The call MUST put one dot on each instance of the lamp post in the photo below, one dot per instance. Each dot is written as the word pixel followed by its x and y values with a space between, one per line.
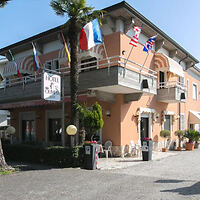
pixel 71 130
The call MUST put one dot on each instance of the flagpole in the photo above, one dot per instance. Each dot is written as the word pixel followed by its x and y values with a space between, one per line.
pixel 131 52
pixel 107 58
pixel 127 59
pixel 143 65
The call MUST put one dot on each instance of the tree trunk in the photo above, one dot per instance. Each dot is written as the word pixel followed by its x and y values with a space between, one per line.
pixel 74 74
pixel 3 163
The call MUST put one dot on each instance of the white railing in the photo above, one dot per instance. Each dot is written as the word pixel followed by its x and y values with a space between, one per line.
pixel 96 64
pixel 171 84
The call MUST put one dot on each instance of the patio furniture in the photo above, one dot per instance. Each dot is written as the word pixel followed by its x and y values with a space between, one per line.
pixel 107 148
pixel 135 149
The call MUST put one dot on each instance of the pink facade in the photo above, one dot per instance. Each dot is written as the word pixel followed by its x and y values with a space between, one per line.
pixel 134 111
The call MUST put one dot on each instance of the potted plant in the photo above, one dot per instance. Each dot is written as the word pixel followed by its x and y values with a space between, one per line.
pixel 166 135
pixel 91 119
pixel 190 134
pixel 197 137
pixel 180 134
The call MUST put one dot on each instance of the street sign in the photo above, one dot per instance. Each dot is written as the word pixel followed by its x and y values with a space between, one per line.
pixel 51 87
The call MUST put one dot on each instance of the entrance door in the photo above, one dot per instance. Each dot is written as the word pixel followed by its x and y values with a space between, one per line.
pixel 144 127
pixel 55 130
pixel 28 130
pixel 161 79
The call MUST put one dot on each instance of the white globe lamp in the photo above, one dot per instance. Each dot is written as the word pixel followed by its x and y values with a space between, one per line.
pixel 71 130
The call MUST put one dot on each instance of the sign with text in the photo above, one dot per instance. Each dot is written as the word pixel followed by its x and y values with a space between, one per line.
pixel 51 87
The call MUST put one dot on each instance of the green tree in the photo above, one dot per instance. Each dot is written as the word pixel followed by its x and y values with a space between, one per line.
pixel 91 119
pixel 78 14
pixel 3 3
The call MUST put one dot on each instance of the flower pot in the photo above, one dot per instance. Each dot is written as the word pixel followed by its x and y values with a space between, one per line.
pixel 189 146
pixel 196 146
pixel 179 148
pixel 164 149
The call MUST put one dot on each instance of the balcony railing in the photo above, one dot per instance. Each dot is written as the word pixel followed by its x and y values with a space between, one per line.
pixel 86 66
pixel 171 84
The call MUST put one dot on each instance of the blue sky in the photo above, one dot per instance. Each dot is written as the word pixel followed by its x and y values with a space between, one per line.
pixel 180 19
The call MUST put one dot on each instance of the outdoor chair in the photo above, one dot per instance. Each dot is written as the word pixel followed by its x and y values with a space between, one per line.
pixel 107 148
pixel 135 149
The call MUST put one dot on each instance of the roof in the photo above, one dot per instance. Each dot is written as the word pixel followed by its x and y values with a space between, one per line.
pixel 145 21
pixel 123 5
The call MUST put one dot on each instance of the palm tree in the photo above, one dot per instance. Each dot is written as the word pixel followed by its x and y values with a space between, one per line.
pixel 3 163
pixel 3 3
pixel 78 14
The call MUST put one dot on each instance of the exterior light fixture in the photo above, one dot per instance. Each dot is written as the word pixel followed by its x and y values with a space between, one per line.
pixel 123 52
pixel 108 113
pixel 71 130
pixel 145 84
pixel 182 95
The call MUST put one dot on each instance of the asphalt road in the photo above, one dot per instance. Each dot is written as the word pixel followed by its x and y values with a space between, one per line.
pixel 173 178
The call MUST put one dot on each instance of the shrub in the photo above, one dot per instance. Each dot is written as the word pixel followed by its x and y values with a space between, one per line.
pixel 56 155
pixel 91 119
pixel 165 134
pixel 192 135
pixel 179 134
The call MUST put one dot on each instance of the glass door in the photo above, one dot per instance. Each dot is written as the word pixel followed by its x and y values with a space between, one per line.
pixel 144 127
pixel 28 130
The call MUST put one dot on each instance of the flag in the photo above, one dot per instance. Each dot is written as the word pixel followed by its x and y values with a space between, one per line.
pixel 36 60
pixel 66 48
pixel 90 35
pixel 149 43
pixel 1 78
pixel 134 40
pixel 14 63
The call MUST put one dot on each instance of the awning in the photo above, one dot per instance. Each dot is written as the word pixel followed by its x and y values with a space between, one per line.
pixel 194 117
pixel 25 65
pixel 168 64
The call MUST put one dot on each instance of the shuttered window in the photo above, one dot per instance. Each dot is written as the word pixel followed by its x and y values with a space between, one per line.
pixel 167 123
pixel 182 121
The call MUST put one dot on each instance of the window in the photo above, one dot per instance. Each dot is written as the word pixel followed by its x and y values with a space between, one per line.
pixel 194 91
pixel 182 121
pixel 8 120
pixel 182 80
pixel 28 130
pixel 52 64
pixel 167 123
pixel 89 64
pixel 55 130
pixel 188 87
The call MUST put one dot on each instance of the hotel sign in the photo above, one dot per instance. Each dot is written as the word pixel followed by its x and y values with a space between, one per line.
pixel 51 87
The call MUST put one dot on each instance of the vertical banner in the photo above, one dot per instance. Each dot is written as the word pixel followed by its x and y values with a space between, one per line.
pixel 51 87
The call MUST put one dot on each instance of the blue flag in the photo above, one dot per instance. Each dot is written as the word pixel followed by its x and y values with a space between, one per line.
pixel 149 43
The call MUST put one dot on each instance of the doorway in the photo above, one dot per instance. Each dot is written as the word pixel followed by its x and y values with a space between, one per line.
pixel 161 79
pixel 28 130
pixel 144 128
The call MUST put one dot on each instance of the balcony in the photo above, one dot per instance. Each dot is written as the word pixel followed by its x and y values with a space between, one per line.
pixel 113 75
pixel 171 92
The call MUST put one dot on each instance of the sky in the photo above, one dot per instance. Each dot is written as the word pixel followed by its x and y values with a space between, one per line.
pixel 180 19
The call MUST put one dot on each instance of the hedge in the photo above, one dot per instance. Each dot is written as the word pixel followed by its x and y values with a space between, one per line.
pixel 56 155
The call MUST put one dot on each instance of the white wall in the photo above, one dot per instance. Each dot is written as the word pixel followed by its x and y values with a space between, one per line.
pixel 24 54
pixel 52 46
pixel 193 74
pixel 164 51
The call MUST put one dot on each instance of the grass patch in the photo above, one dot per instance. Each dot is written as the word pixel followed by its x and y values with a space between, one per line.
pixel 6 172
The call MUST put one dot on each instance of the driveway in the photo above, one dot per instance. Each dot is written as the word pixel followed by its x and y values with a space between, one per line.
pixel 172 178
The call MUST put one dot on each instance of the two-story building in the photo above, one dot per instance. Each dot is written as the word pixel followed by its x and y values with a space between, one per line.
pixel 138 100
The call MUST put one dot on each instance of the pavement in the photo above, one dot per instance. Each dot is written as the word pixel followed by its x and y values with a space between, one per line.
pixel 119 163
pixel 170 176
